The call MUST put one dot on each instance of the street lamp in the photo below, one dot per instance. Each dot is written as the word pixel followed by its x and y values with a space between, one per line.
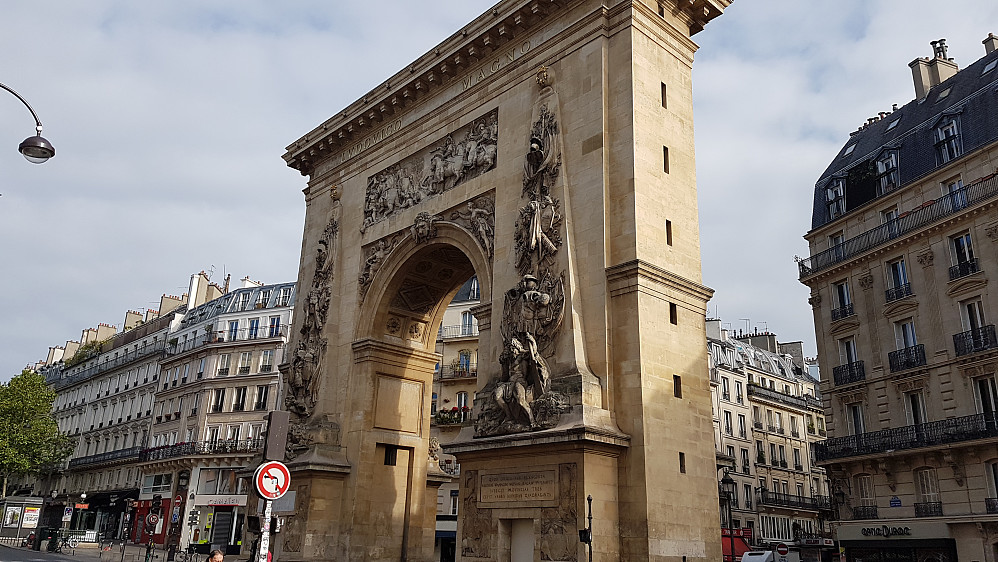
pixel 727 491
pixel 35 149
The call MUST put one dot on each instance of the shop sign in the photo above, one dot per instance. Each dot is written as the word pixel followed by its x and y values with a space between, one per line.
pixel 30 520
pixel 816 542
pixel 82 506
pixel 220 499
pixel 886 531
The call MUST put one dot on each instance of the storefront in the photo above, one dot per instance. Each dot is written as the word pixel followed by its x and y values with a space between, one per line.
pixel 897 541
pixel 221 521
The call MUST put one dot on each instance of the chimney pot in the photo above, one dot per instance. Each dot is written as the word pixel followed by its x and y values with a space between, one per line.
pixel 990 43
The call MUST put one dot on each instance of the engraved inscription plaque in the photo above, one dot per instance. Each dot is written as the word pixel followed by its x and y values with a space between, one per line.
pixel 518 487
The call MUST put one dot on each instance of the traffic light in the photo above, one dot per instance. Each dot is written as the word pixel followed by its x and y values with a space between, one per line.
pixel 195 518
pixel 156 506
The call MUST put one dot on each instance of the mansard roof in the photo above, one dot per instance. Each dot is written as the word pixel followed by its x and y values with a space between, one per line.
pixel 970 94
pixel 229 302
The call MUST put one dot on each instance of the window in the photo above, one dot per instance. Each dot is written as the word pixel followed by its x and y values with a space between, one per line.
pixel 232 433
pixel 725 388
pixel 887 172
pixel 943 94
pixel 991 475
pixel 682 462
pixel 266 360
pixel 157 484
pixel 730 450
pixel 835 198
pixel 947 141
pixel 467 324
pixel 904 334
pixel 741 426
pixel 897 280
pixel 668 232
pixel 783 455
pixel 990 66
pixel 665 103
pixel 739 395
pixel 914 404
pixel 953 189
pixel 964 262
pixel 927 486
pixel 254 327
pixel 677 386
pixel 854 418
pixel 213 433
pixel 835 243
pixel 464 360
pixel 433 404
pixel 245 360
pixel 972 314
pixel 223 364
pixel 275 327
pixel 849 149
pixel 454 501
pixel 843 299
pixel 475 293
pixel 987 398
pixel 893 124
pixel 847 351
pixel 219 400
pixel 673 313
pixel 745 461
pixel 772 455
pixel 462 400
pixel 665 159
pixel 285 296
pixel 263 298
pixel 727 422
pixel 233 329
pixel 748 496
pixel 239 400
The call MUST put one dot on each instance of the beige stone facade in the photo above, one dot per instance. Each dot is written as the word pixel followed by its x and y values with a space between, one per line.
pixel 546 148
pixel 902 251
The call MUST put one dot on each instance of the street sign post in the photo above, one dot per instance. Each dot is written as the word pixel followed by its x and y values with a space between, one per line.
pixel 272 480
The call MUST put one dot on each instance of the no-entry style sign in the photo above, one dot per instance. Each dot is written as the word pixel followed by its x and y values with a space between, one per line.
pixel 782 549
pixel 272 480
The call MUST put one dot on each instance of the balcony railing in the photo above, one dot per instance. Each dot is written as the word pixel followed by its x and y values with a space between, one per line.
pixel 755 424
pixel 122 359
pixel 788 500
pixel 991 504
pixel 466 371
pixel 899 292
pixel 245 334
pixel 865 512
pixel 223 371
pixel 110 456
pixel 942 432
pixel 907 358
pixel 202 448
pixel 805 401
pixel 848 373
pixel 929 509
pixel 964 269
pixel 459 331
pixel 972 341
pixel 926 214
pixel 843 312
pixel 244 370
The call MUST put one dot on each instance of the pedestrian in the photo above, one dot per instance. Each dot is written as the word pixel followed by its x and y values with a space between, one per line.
pixel 215 556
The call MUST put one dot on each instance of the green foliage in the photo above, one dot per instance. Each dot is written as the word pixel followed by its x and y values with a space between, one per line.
pixel 30 441
pixel 86 351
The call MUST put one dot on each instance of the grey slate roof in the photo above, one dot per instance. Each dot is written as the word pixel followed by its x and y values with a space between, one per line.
pixel 972 95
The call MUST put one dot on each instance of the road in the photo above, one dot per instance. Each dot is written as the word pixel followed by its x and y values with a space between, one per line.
pixel 134 553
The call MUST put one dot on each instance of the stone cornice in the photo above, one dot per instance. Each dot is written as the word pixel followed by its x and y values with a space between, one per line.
pixel 377 115
pixel 625 277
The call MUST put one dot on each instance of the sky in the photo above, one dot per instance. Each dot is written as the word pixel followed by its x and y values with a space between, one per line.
pixel 169 120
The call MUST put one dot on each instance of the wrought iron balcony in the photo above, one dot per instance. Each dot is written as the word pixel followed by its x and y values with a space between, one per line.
pixel 929 509
pixel 907 358
pixel 803 402
pixel 991 504
pixel 972 341
pixel 964 269
pixel 220 447
pixel 915 219
pixel 466 371
pixel 245 334
pixel 757 424
pixel 788 500
pixel 899 292
pixel 244 370
pixel 843 311
pixel 458 331
pixel 942 432
pixel 120 455
pixel 865 512
pixel 849 373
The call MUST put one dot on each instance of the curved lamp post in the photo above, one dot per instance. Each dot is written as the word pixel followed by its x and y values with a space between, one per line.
pixel 35 149
pixel 727 488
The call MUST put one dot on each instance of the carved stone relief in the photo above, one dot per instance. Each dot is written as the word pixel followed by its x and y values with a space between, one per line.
pixel 302 371
pixel 559 536
pixel 374 258
pixel 814 300
pixel 925 258
pixel 478 524
pixel 991 231
pixel 480 218
pixel 866 281
pixel 423 228
pixel 522 397
pixel 460 156
pixel 294 528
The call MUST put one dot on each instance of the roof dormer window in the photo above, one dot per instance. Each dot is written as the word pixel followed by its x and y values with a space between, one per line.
pixel 991 66
pixel 947 140
pixel 887 172
pixel 835 198
pixel 893 123
pixel 849 149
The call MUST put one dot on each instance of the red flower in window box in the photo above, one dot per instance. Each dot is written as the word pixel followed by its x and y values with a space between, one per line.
pixel 454 409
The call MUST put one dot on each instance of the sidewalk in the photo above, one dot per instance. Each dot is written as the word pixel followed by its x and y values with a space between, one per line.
pixel 89 552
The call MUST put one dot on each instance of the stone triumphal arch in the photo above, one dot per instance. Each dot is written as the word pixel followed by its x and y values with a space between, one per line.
pixel 547 148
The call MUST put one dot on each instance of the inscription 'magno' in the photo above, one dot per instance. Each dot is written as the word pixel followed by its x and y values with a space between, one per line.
pixel 518 487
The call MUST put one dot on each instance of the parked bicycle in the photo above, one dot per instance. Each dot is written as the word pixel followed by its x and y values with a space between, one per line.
pixel 66 540
pixel 185 554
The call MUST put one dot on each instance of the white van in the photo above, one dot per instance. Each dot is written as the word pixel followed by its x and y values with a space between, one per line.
pixel 770 556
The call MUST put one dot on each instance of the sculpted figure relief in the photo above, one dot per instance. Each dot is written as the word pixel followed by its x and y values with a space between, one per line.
pixel 536 236
pixel 462 155
pixel 480 218
pixel 422 229
pixel 376 255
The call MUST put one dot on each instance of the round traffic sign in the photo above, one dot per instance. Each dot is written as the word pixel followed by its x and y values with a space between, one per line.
pixel 782 549
pixel 152 519
pixel 272 480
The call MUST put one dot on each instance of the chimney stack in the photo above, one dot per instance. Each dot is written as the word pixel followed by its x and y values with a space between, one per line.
pixel 928 73
pixel 990 44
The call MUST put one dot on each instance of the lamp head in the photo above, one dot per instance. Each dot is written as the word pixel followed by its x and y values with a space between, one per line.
pixel 36 149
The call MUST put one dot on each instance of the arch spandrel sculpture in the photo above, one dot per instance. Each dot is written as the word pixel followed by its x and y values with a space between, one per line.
pixel 511 153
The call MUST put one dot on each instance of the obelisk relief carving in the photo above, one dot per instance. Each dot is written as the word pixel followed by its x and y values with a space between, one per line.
pixel 304 366
pixel 521 398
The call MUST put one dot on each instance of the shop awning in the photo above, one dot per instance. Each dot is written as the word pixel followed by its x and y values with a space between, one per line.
pixel 741 547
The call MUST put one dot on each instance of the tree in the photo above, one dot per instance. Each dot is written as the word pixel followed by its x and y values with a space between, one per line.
pixel 30 441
